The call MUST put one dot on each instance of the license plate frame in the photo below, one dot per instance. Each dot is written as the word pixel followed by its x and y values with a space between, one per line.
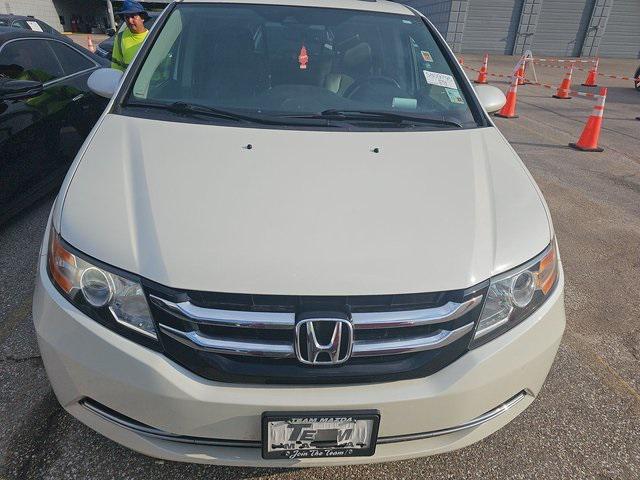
pixel 320 452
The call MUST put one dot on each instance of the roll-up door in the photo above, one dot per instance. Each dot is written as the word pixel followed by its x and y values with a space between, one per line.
pixel 491 26
pixel 562 26
pixel 622 35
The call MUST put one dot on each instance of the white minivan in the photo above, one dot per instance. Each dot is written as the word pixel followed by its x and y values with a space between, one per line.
pixel 294 238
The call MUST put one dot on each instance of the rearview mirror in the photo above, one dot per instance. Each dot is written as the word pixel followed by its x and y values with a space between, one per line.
pixel 491 98
pixel 16 89
pixel 104 81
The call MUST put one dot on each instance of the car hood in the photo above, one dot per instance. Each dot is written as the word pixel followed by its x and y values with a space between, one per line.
pixel 303 212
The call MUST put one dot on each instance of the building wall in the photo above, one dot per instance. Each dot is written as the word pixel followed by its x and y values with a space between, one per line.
pixel 45 10
pixel 610 28
pixel 436 10
pixel 492 26
pixel 621 37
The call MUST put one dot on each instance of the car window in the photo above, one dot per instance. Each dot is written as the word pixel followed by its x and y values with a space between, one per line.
pixel 29 60
pixel 72 61
pixel 285 60
pixel 45 27
pixel 4 22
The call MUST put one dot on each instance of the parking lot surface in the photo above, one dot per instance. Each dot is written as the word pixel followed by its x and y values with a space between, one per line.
pixel 585 423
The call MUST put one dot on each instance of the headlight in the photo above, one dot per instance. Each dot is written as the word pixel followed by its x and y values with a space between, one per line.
pixel 102 294
pixel 515 295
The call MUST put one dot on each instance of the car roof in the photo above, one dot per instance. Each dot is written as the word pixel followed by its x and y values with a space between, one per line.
pixel 11 16
pixel 10 33
pixel 367 5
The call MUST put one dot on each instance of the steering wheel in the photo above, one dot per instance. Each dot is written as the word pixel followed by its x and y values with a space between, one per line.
pixel 370 81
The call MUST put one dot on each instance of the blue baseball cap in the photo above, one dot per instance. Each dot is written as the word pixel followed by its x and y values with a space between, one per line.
pixel 131 8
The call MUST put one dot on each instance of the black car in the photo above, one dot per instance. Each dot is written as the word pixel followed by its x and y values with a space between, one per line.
pixel 28 22
pixel 46 112
pixel 105 48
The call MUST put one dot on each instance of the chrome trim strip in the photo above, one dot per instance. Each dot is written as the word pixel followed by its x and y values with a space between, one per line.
pixel 142 429
pixel 414 318
pixel 490 415
pixel 273 320
pixel 441 338
pixel 226 318
pixel 284 349
pixel 198 341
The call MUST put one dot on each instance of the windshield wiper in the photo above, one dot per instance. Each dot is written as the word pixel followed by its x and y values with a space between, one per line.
pixel 184 108
pixel 377 116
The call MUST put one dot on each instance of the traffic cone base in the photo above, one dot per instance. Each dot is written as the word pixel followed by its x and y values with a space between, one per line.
pixel 578 147
pixel 562 98
pixel 589 85
pixel 501 115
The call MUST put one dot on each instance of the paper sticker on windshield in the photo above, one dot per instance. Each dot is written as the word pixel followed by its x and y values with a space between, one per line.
pixel 440 79
pixel 426 56
pixel 34 26
pixel 454 95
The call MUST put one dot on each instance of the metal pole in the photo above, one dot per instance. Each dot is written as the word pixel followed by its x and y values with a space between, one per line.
pixel 112 19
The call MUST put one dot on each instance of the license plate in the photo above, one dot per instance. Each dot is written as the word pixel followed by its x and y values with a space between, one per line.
pixel 319 434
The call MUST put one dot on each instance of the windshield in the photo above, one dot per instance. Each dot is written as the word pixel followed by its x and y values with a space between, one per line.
pixel 291 62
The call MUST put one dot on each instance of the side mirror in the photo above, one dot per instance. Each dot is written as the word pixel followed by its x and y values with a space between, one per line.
pixel 491 98
pixel 104 81
pixel 110 32
pixel 17 89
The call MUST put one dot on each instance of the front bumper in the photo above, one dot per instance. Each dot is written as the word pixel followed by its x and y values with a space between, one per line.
pixel 175 415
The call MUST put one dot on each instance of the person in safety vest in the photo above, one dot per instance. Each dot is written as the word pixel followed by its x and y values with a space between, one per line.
pixel 129 40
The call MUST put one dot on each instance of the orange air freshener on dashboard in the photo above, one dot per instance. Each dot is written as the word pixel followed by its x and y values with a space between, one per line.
pixel 303 58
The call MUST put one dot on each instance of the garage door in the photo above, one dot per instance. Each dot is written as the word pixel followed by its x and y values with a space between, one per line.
pixel 622 35
pixel 562 26
pixel 491 26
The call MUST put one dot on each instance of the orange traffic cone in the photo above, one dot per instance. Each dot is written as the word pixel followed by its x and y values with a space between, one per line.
pixel 509 109
pixel 521 73
pixel 461 61
pixel 592 76
pixel 482 74
pixel 565 86
pixel 90 45
pixel 588 141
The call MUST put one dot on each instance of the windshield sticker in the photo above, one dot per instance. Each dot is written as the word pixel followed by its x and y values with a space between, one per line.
pixel 454 95
pixel 440 79
pixel 405 103
pixel 426 56
pixel 34 26
pixel 303 58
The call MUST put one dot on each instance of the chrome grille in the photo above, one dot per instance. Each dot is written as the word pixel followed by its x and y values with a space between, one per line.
pixel 251 338
pixel 195 318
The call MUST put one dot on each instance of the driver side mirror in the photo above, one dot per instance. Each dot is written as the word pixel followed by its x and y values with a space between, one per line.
pixel 491 98
pixel 17 89
pixel 104 81
pixel 110 32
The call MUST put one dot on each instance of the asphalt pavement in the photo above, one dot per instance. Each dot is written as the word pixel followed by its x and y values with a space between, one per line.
pixel 584 425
